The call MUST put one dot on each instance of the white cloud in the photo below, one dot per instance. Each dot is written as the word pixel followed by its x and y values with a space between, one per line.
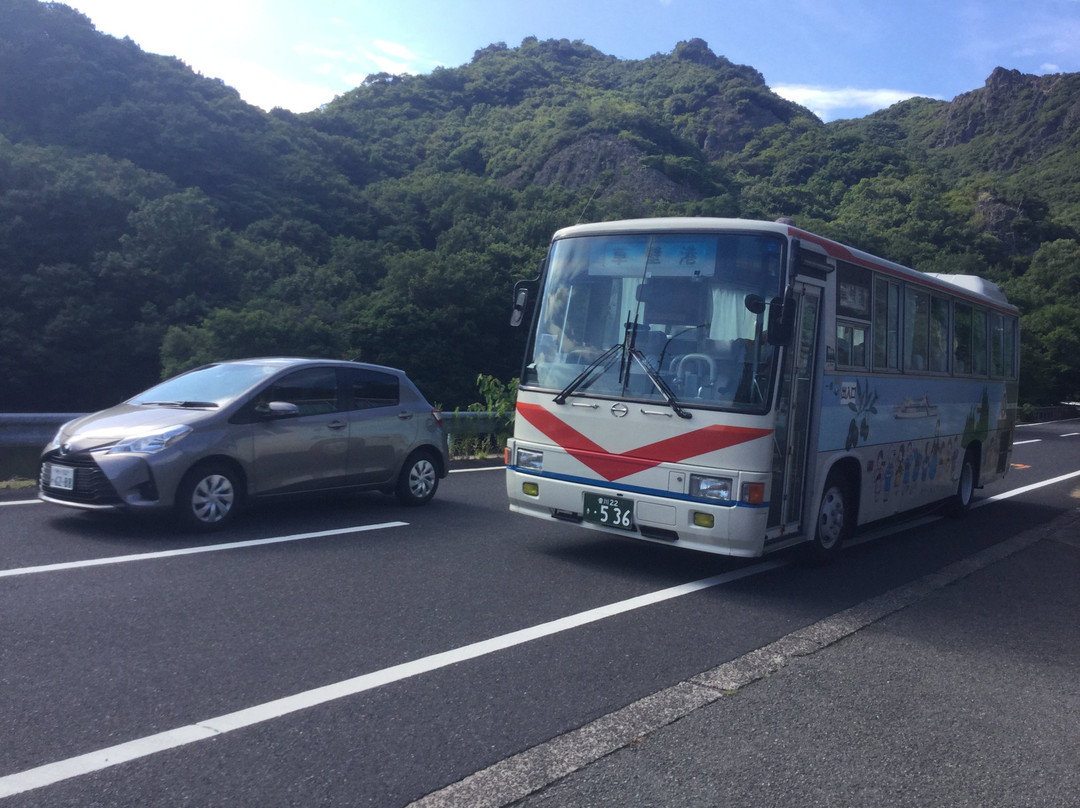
pixel 267 88
pixel 827 102
pixel 394 49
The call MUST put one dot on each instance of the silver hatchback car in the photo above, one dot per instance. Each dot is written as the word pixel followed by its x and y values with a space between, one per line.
pixel 207 441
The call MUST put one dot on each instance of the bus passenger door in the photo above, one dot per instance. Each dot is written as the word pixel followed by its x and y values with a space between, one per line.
pixel 793 422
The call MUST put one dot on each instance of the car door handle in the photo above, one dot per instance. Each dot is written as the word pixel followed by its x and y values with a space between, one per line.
pixel 404 416
pixel 338 424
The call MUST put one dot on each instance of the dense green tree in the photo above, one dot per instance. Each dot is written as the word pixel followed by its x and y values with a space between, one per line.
pixel 151 220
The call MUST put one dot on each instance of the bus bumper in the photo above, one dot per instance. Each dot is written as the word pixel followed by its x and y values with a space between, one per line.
pixel 729 529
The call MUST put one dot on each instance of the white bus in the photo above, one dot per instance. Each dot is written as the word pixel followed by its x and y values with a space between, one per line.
pixel 739 387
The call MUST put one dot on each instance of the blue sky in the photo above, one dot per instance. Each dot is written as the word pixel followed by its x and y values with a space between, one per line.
pixel 840 58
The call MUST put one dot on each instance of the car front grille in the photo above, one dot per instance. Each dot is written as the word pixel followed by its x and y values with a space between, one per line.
pixel 91 485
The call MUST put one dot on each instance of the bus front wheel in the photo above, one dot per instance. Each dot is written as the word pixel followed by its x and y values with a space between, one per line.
pixel 836 515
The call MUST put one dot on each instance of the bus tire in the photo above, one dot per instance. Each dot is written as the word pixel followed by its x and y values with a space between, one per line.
pixel 960 502
pixel 835 518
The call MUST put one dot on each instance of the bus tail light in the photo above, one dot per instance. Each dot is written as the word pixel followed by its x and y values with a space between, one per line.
pixel 752 494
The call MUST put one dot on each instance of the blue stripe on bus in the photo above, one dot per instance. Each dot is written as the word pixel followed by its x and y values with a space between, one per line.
pixel 633 489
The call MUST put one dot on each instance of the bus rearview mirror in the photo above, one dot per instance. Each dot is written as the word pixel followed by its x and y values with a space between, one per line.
pixel 782 318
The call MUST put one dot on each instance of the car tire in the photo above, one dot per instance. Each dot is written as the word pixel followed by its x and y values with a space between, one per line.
pixel 835 517
pixel 209 496
pixel 418 481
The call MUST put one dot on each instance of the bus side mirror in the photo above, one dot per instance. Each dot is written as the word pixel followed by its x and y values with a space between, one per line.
pixel 782 318
pixel 523 292
pixel 755 304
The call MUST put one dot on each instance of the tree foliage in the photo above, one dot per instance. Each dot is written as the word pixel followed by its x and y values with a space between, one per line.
pixel 150 220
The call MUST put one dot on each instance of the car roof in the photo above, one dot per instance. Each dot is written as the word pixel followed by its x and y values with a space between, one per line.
pixel 293 361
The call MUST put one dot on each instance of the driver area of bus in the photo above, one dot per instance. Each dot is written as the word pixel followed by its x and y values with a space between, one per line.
pixel 693 332
pixel 695 357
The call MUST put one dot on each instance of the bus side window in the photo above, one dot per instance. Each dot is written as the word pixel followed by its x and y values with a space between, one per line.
pixel 978 342
pixel 916 329
pixel 962 339
pixel 939 335
pixel 886 325
pixel 850 345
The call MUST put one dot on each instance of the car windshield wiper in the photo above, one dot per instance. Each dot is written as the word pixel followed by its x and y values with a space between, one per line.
pixel 661 385
pixel 601 363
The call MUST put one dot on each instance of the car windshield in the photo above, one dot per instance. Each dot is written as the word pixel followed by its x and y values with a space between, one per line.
pixel 675 317
pixel 210 386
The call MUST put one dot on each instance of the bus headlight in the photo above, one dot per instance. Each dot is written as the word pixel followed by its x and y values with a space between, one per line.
pixel 529 460
pixel 715 488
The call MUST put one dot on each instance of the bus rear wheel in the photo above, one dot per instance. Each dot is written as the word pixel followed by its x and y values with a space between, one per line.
pixel 960 502
pixel 836 515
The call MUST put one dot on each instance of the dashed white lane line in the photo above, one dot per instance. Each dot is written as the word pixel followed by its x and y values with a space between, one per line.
pixel 516 777
pixel 181 736
pixel 654 706
pixel 211 548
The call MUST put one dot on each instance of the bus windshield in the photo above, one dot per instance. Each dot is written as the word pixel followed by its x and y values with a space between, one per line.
pixel 676 317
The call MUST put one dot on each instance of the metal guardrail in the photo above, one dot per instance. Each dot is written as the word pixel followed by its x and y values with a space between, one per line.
pixel 31 429
pixel 37 429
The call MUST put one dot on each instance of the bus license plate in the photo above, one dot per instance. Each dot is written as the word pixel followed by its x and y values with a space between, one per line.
pixel 609 511
pixel 62 477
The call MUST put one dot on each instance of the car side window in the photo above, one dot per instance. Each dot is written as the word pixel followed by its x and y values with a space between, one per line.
pixel 369 389
pixel 314 391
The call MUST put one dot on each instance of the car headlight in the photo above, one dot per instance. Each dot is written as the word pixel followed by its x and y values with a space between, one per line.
pixel 716 488
pixel 530 460
pixel 151 444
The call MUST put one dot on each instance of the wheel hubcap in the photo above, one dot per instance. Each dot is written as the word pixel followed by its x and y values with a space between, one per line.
pixel 212 498
pixel 831 518
pixel 421 479
pixel 967 483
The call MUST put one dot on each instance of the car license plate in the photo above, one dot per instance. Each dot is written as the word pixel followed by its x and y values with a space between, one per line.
pixel 62 477
pixel 609 511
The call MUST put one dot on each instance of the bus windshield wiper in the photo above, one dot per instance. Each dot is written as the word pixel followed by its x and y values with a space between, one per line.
pixel 601 363
pixel 661 385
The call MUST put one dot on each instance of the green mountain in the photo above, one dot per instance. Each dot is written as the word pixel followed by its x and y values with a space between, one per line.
pixel 151 220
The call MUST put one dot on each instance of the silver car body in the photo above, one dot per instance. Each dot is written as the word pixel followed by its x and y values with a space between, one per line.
pixel 284 425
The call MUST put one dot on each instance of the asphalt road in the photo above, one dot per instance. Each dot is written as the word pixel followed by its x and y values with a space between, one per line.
pixel 348 651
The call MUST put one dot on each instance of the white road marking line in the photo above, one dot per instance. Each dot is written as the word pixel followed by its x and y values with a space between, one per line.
pixel 514 778
pixel 1022 442
pixel 212 548
pixel 51 773
pixel 21 502
pixel 181 736
pixel 1018 491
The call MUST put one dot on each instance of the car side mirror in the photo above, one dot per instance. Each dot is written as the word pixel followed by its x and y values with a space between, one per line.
pixel 281 409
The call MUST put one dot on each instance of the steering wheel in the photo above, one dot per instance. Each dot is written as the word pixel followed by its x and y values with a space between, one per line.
pixel 680 368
